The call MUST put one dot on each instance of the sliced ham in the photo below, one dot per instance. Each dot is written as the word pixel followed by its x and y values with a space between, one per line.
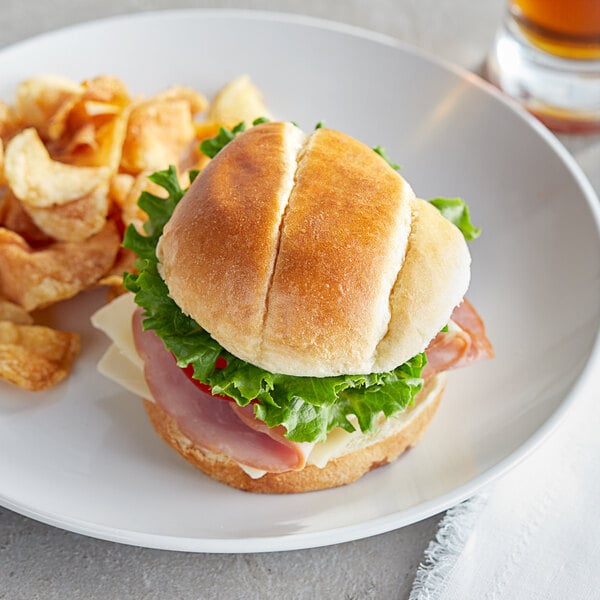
pixel 448 350
pixel 468 319
pixel 205 420
pixel 246 414
pixel 459 348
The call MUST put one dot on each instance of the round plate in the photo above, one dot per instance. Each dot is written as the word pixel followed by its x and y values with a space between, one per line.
pixel 83 456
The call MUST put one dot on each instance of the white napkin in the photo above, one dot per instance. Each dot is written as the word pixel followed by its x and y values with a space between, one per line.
pixel 535 534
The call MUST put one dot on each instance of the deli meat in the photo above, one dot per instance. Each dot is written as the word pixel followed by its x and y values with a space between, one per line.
pixel 246 414
pixel 453 349
pixel 207 421
pixel 467 318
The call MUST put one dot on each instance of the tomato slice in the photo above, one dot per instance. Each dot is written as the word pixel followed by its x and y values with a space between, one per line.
pixel 220 364
pixel 189 371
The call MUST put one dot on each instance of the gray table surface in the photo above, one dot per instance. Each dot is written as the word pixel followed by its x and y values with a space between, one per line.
pixel 39 561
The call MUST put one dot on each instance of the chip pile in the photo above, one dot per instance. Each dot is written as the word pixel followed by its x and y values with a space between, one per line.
pixel 74 158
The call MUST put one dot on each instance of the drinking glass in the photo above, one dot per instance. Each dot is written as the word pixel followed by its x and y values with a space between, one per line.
pixel 547 55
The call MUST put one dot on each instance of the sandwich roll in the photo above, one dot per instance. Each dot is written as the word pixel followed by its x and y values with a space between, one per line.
pixel 298 309
pixel 310 256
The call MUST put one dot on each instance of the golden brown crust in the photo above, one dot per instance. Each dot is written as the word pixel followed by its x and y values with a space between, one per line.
pixel 343 241
pixel 338 471
pixel 218 249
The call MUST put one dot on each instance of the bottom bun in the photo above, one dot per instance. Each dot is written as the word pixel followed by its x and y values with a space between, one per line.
pixel 340 470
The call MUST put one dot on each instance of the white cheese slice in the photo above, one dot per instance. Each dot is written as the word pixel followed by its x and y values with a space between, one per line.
pixel 117 366
pixel 114 319
pixel 251 471
pixel 336 442
pixel 121 363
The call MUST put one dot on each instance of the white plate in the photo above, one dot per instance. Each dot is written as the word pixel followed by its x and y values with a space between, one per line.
pixel 83 456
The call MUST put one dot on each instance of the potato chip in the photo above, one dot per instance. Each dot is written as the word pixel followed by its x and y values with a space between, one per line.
pixel 4 193
pixel 97 125
pixel 13 216
pixel 44 102
pixel 36 278
pixel 191 158
pixel 125 262
pixel 158 132
pixel 83 137
pixel 75 221
pixel 207 129
pixel 106 89
pixel 39 181
pixel 103 98
pixel 14 313
pixel 2 178
pixel 120 186
pixel 125 192
pixel 35 357
pixel 198 102
pixel 9 122
pixel 123 195
pixel 93 108
pixel 99 142
pixel 239 100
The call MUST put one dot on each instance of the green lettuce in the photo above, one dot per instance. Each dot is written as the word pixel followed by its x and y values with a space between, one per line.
pixel 212 146
pixel 383 153
pixel 308 407
pixel 457 212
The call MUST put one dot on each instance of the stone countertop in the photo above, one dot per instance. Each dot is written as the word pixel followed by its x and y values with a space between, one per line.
pixel 40 561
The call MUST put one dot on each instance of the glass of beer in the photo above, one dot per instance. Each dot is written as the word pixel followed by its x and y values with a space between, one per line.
pixel 547 55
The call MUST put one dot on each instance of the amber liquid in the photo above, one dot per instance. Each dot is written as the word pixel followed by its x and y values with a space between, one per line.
pixel 568 28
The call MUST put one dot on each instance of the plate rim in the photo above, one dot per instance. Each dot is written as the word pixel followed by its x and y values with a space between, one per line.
pixel 392 521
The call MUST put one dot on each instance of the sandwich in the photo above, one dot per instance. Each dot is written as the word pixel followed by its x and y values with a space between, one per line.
pixel 294 311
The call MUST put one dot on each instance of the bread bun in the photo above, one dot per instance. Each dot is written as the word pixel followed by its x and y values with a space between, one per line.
pixel 310 256
pixel 366 451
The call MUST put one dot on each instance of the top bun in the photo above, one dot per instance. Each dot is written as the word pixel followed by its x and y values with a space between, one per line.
pixel 310 256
